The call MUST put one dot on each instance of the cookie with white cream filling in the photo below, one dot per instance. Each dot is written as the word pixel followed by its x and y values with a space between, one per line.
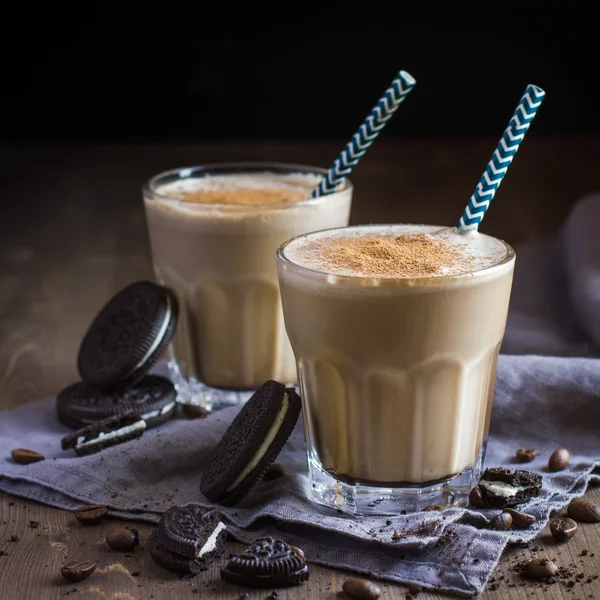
pixel 502 487
pixel 251 443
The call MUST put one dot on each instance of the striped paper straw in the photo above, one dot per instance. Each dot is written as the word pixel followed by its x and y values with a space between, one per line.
pixel 496 169
pixel 366 134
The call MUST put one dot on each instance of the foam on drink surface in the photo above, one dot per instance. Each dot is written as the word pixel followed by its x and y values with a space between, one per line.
pixel 243 189
pixel 396 251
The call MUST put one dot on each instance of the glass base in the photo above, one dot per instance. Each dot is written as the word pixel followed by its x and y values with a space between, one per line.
pixel 368 500
pixel 192 391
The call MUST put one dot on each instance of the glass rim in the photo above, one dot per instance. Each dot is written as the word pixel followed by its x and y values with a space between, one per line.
pixel 510 257
pixel 149 189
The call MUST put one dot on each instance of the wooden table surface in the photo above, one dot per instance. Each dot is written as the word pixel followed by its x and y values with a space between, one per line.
pixel 73 233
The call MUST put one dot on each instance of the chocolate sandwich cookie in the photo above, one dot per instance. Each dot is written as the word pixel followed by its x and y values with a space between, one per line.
pixel 194 532
pixel 267 563
pixel 251 443
pixel 153 398
pixel 169 560
pixel 505 487
pixel 128 336
pixel 103 434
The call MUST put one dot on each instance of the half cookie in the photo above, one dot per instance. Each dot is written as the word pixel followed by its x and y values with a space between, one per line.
pixel 267 563
pixel 251 443
pixel 128 336
pixel 153 398
pixel 103 434
pixel 505 487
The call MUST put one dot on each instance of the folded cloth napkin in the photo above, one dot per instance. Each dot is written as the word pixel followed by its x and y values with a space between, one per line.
pixel 546 397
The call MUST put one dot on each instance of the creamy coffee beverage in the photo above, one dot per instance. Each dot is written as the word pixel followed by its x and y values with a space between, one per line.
pixel 396 331
pixel 214 233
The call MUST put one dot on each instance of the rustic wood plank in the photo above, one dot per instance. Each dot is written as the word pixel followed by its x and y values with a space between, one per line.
pixel 75 233
pixel 31 566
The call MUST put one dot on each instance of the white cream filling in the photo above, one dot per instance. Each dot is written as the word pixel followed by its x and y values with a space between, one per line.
pixel 271 434
pixel 159 336
pixel 211 542
pixel 161 411
pixel 499 488
pixel 138 425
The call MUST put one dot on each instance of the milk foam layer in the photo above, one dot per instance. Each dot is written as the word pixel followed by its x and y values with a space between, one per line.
pixel 475 251
pixel 292 187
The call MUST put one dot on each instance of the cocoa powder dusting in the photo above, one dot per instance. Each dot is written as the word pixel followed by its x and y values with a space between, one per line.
pixel 243 196
pixel 407 255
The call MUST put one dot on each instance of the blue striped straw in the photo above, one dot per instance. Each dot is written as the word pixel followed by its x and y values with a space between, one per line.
pixel 496 169
pixel 366 134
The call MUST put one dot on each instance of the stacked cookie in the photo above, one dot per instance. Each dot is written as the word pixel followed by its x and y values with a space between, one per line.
pixel 188 539
pixel 116 399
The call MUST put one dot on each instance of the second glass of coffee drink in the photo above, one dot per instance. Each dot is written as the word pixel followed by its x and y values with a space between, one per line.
pixel 396 331
pixel 214 231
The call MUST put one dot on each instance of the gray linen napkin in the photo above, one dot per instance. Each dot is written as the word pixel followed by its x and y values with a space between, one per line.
pixel 546 397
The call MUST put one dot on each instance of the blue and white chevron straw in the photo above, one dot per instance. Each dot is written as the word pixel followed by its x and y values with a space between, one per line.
pixel 366 134
pixel 501 159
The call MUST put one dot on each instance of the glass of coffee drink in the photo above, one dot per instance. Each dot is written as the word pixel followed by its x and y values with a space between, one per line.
pixel 396 331
pixel 214 231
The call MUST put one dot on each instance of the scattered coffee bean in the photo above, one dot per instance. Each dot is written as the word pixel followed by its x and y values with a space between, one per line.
pixel 435 507
pixel 539 568
pixel 582 510
pixel 361 589
pixel 191 411
pixel 26 457
pixel 562 528
pixel 135 573
pixel 559 460
pixel 275 471
pixel 527 454
pixel 501 522
pixel 124 539
pixel 78 570
pixel 476 498
pixel 520 520
pixel 90 514
pixel 13 538
pixel 34 524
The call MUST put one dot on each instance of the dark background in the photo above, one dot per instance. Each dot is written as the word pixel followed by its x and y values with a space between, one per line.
pixel 301 72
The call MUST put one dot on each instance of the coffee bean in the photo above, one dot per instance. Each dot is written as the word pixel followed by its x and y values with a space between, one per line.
pixel 90 514
pixel 124 539
pixel 26 457
pixel 559 460
pixel 435 507
pixel 476 498
pixel 501 522
pixel 78 570
pixel 563 529
pixel 192 411
pixel 520 520
pixel 275 471
pixel 582 510
pixel 539 568
pixel 527 454
pixel 361 589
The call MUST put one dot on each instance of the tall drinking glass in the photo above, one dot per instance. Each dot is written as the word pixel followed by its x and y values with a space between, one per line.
pixel 214 230
pixel 396 373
